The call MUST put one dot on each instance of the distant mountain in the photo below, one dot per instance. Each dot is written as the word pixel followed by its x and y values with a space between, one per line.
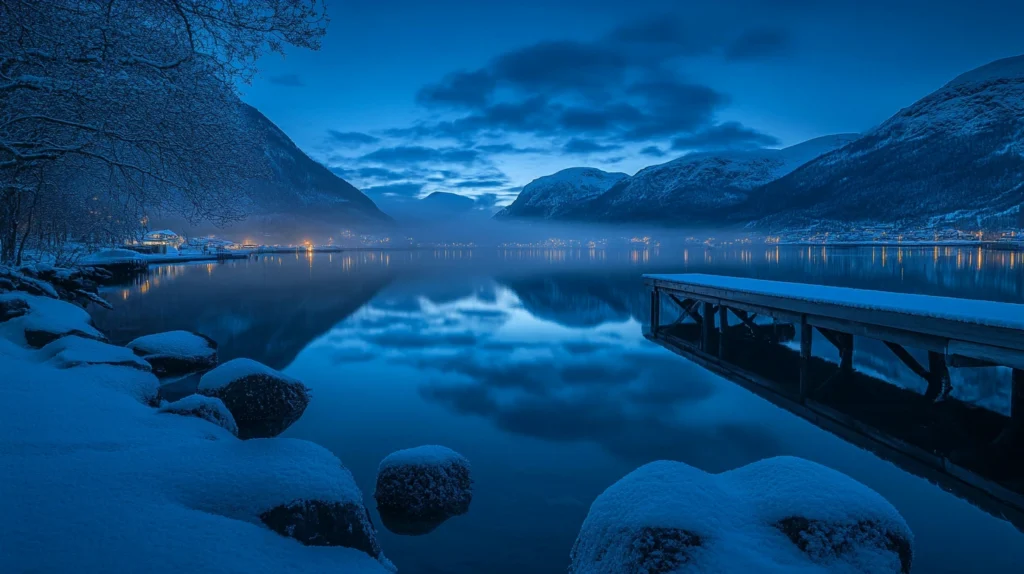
pixel 698 187
pixel 444 202
pixel 956 155
pixel 439 207
pixel 302 188
pixel 554 196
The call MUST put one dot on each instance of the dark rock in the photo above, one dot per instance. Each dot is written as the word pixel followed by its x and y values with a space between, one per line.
pixel 318 523
pixel 39 338
pixel 6 284
pixel 419 488
pixel 263 401
pixel 823 540
pixel 11 308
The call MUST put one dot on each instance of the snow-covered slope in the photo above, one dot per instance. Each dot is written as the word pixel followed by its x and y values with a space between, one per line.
pixel 550 197
pixel 691 189
pixel 301 187
pixel 955 155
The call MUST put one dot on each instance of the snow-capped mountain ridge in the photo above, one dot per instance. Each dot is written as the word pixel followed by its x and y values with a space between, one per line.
pixel 550 196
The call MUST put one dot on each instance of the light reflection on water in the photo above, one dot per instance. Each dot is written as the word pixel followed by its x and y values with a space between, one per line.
pixel 532 364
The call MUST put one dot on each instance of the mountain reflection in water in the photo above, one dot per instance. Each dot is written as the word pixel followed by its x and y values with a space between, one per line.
pixel 532 364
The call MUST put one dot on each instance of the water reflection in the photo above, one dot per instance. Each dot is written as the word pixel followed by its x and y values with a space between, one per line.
pixel 532 364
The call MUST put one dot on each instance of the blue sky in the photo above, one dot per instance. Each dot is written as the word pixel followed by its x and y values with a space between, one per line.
pixel 479 97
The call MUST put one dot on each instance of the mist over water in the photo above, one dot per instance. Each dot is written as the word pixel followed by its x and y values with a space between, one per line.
pixel 532 363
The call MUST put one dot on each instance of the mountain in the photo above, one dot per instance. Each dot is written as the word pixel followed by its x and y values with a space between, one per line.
pixel 955 156
pixel 443 202
pixel 438 207
pixel 554 196
pixel 302 188
pixel 698 187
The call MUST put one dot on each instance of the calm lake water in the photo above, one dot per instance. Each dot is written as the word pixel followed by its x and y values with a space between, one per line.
pixel 533 365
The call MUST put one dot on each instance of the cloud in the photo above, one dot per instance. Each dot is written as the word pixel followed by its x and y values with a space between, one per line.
pixel 377 173
pixel 351 138
pixel 653 151
pixel 460 89
pixel 580 146
pixel 758 43
pixel 722 136
pixel 474 183
pixel 289 80
pixel 508 148
pixel 395 190
pixel 421 154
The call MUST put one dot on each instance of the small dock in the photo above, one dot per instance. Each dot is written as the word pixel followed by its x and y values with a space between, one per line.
pixel 744 329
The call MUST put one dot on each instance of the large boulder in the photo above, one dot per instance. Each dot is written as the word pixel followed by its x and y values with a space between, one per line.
pixel 176 353
pixel 206 408
pixel 45 320
pixel 419 488
pixel 775 515
pixel 263 401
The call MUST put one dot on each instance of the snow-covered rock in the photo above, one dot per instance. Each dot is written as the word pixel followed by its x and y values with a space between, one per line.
pixel 122 489
pixel 113 257
pixel 207 408
pixel 75 351
pixel 46 320
pixel 776 515
pixel 955 155
pixel 176 353
pixel 263 401
pixel 552 196
pixel 419 488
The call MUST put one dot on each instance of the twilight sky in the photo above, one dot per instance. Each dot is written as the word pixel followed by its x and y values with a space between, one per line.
pixel 479 97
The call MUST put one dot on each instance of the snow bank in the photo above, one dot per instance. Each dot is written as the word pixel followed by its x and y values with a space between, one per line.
pixel 263 401
pixel 975 311
pixel 206 408
pixel 776 515
pixel 176 352
pixel 419 488
pixel 94 481
pixel 112 256
pixel 74 351
pixel 46 320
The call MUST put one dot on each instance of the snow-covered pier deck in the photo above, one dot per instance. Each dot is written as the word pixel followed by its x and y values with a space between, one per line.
pixel 737 328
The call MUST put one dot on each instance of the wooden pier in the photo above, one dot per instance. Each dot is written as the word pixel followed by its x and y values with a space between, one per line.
pixel 737 328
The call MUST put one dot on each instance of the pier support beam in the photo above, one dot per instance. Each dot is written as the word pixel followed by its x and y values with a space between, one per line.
pixel 723 324
pixel 805 357
pixel 938 376
pixel 655 310
pixel 707 325
pixel 1017 396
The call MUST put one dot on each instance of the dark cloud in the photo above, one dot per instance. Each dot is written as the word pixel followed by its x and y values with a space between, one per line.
pixel 377 173
pixel 481 183
pixel 421 154
pixel 758 43
pixel 722 136
pixel 461 89
pixel 581 146
pixel 508 148
pixel 395 190
pixel 289 80
pixel 351 138
pixel 653 151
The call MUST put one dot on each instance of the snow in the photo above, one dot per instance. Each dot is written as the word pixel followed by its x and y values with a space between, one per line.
pixel 973 311
pixel 207 408
pixel 173 343
pixel 235 369
pixel 73 351
pixel 730 522
pixel 570 186
pixel 94 481
pixel 428 455
pixel 48 315
pixel 1006 68
pixel 108 256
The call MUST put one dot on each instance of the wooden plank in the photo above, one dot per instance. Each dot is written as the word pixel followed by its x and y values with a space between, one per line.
pixel 707 325
pixel 898 336
pixel 936 326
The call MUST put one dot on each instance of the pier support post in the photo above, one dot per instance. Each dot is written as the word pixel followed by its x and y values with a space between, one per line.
pixel 805 357
pixel 723 324
pixel 707 325
pixel 655 310
pixel 845 353
pixel 938 376
pixel 1017 396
